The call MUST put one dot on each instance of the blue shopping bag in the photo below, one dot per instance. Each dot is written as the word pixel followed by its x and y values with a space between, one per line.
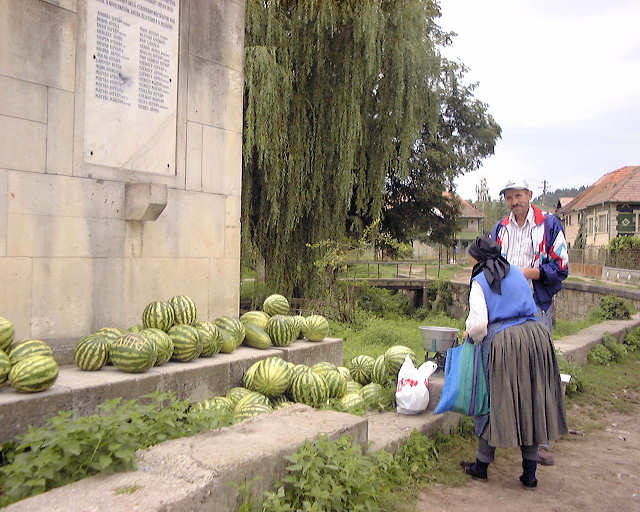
pixel 465 386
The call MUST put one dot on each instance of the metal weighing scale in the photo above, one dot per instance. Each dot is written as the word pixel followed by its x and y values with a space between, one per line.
pixel 438 340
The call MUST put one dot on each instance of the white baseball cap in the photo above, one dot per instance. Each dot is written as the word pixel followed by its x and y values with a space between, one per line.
pixel 515 185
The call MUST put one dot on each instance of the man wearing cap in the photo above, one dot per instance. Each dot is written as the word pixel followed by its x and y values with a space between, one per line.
pixel 534 241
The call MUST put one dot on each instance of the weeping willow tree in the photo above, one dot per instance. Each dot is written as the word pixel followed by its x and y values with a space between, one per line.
pixel 336 93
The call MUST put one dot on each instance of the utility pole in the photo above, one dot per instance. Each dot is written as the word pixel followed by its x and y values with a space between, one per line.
pixel 544 187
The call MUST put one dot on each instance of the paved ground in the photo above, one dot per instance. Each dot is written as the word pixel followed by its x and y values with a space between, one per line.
pixel 598 472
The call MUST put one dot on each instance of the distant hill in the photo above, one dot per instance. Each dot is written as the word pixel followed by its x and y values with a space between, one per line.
pixel 550 199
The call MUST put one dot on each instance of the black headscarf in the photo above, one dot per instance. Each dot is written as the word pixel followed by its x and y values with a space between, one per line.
pixel 490 261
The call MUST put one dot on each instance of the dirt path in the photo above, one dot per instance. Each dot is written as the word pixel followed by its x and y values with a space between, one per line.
pixel 597 472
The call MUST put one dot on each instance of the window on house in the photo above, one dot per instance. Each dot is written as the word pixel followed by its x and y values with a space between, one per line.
pixel 471 224
pixel 602 223
pixel 590 225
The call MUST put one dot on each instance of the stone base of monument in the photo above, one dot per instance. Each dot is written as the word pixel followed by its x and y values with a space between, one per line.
pixel 203 378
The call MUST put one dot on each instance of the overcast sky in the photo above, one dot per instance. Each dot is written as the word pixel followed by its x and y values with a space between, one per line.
pixel 562 79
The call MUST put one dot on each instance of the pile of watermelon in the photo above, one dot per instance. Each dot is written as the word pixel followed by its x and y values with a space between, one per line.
pixel 27 364
pixel 170 330
pixel 273 383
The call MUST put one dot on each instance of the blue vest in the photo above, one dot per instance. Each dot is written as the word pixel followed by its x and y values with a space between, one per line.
pixel 516 304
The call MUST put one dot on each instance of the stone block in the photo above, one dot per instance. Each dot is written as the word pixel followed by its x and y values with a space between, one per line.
pixel 20 410
pixel 224 287
pixel 46 236
pixel 60 105
pixel 222 161
pixel 192 225
pixel 23 99
pixel 71 5
pixel 63 196
pixel 144 201
pixel 312 352
pixel 197 380
pixel 4 212
pixel 15 294
pixel 232 211
pixel 242 358
pixel 216 32
pixel 215 94
pixel 193 174
pixel 232 242
pixel 38 43
pixel 22 145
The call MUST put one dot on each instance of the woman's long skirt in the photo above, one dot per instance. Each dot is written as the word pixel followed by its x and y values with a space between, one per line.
pixel 527 406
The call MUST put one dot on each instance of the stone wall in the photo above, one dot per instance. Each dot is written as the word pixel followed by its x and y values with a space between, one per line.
pixel 73 259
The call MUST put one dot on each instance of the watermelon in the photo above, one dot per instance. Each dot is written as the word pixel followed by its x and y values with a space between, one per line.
pixel 352 401
pixel 247 378
pixel 7 332
pixel 298 369
pixel 258 318
pixel 28 348
pixel 256 337
pixel 211 338
pixel 35 373
pixel 5 366
pixel 379 372
pixel 280 329
pixel 316 328
pixel 111 333
pixel 158 315
pixel 186 342
pixel 372 394
pixel 163 343
pixel 324 366
pixel 361 368
pixel 91 352
pixel 298 324
pixel 184 310
pixel 234 326
pixel 345 372
pixel 249 410
pixel 280 402
pixel 220 402
pixel 235 394
pixel 275 305
pixel 394 357
pixel 336 383
pixel 309 388
pixel 271 377
pixel 353 386
pixel 252 397
pixel 133 353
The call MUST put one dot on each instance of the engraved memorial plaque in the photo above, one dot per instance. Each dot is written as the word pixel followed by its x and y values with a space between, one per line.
pixel 131 84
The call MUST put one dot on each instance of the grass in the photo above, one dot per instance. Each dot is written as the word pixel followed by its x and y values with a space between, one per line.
pixel 391 269
pixel 564 328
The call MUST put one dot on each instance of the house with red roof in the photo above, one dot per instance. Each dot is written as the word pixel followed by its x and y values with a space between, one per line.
pixel 607 209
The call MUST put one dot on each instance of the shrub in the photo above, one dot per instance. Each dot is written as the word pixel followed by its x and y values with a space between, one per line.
pixel 439 295
pixel 614 308
pixel 618 350
pixel 600 355
pixel 576 384
pixel 632 339
pixel 382 302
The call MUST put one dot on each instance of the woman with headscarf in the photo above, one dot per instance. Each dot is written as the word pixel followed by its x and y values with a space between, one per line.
pixel 526 403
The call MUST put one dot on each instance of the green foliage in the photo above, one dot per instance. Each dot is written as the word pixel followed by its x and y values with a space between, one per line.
pixel 439 295
pixel 577 382
pixel 600 355
pixel 67 449
pixel 621 244
pixel 618 350
pixel 381 302
pixel 612 307
pixel 632 340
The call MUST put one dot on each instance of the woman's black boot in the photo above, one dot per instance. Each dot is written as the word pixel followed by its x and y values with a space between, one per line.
pixel 528 477
pixel 476 469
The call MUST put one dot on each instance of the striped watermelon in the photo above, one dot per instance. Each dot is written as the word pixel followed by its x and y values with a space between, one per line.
pixel 252 397
pixel 324 366
pixel 5 366
pixel 352 401
pixel 280 402
pixel 186 342
pixel 184 310
pixel 91 352
pixel 133 353
pixel 394 357
pixel 220 402
pixel 211 338
pixel 280 329
pixel 361 368
pixel 111 333
pixel 234 326
pixel 33 374
pixel 372 394
pixel 258 318
pixel 299 323
pixel 163 343
pixel 309 388
pixel 249 410
pixel 28 348
pixel 247 378
pixel 336 383
pixel 256 337
pixel 316 328
pixel 298 369
pixel 228 341
pixel 235 394
pixel 135 329
pixel 379 373
pixel 158 315
pixel 353 386
pixel 272 377
pixel 275 305
pixel 345 372
pixel 7 332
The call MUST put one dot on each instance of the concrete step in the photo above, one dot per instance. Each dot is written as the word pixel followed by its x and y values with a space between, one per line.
pixel 200 379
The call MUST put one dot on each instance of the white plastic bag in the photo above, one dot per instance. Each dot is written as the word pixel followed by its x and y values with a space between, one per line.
pixel 412 393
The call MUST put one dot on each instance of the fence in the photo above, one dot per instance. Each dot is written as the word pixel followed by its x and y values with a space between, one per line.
pixel 603 256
